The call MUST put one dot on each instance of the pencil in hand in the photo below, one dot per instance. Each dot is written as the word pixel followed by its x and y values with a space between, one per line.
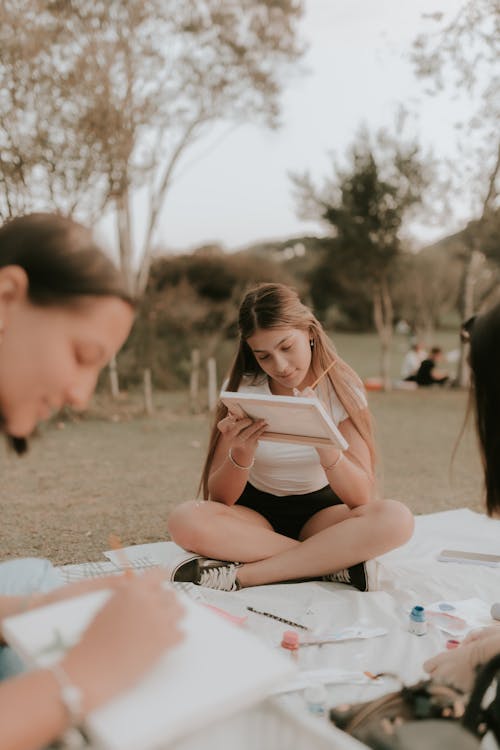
pixel 322 374
pixel 124 562
pixel 320 377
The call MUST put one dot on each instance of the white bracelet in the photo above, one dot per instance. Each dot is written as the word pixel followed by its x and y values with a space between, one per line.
pixel 237 465
pixel 70 695
pixel 334 464
pixel 24 604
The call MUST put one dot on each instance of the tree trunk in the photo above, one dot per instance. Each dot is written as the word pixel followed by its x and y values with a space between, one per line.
pixel 125 246
pixel 148 393
pixel 467 310
pixel 470 277
pixel 113 379
pixel 383 316
pixel 212 383
pixel 194 385
pixel 125 239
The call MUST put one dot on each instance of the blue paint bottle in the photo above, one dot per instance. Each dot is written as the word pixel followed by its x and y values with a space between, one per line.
pixel 418 623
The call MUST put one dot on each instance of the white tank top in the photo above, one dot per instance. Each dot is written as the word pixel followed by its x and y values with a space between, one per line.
pixel 288 468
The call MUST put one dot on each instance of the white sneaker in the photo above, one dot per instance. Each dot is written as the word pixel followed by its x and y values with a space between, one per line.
pixel 213 574
pixel 363 576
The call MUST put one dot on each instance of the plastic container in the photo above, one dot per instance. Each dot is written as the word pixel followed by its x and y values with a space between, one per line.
pixel 315 697
pixel 418 623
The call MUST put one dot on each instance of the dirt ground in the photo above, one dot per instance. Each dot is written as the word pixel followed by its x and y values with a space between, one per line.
pixel 116 471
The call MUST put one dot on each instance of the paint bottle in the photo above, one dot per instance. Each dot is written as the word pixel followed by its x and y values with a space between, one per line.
pixel 290 641
pixel 418 623
pixel 315 697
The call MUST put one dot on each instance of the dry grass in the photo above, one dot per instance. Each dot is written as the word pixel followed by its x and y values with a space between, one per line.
pixel 122 472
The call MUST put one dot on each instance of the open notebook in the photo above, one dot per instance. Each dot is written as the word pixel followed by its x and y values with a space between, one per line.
pixel 217 670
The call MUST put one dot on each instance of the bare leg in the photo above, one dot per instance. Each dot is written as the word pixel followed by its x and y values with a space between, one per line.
pixel 335 538
pixel 226 533
pixel 332 539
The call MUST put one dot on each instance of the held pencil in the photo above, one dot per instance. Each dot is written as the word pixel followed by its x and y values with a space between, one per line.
pixel 117 546
pixel 322 374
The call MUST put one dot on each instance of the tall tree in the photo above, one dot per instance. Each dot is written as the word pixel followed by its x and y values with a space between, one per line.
pixel 365 205
pixel 462 55
pixel 100 98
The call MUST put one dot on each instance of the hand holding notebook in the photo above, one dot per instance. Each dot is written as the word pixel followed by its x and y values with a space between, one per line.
pixel 294 419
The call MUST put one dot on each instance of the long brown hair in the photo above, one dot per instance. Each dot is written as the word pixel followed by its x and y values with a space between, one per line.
pixel 278 306
pixel 484 360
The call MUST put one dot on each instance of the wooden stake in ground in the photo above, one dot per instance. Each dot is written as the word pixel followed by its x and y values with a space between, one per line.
pixel 148 393
pixel 194 385
pixel 212 383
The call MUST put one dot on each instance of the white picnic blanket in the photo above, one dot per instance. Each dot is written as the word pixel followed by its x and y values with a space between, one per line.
pixel 408 576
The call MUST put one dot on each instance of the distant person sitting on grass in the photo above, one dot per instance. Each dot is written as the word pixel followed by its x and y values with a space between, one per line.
pixel 63 315
pixel 287 511
pixel 459 667
pixel 412 361
pixel 429 373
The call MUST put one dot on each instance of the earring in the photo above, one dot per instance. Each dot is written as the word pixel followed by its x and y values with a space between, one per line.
pixel 311 343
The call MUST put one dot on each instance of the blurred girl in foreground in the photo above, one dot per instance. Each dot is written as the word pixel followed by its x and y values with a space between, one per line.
pixel 63 315
pixel 458 667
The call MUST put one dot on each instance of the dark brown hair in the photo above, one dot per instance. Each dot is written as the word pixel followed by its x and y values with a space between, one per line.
pixel 276 306
pixel 62 263
pixel 484 361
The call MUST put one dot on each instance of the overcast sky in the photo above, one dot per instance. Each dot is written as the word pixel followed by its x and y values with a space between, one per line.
pixel 234 188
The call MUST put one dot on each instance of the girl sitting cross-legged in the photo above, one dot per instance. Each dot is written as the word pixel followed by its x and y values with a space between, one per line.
pixel 286 511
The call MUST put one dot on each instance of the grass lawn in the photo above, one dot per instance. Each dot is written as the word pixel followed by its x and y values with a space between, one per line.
pixel 362 350
pixel 122 473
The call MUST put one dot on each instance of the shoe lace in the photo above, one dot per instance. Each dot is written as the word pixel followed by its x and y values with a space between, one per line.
pixel 222 577
pixel 342 576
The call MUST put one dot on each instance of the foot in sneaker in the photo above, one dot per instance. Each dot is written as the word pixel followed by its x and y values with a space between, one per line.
pixel 214 574
pixel 361 576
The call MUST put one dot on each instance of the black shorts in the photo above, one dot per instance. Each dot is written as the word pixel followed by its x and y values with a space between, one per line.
pixel 287 515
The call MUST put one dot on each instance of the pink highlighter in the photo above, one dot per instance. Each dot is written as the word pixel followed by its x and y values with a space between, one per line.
pixel 227 615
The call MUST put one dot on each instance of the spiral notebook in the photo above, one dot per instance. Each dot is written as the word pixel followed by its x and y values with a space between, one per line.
pixel 216 671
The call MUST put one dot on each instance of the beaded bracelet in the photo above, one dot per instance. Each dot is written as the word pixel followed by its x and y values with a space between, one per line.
pixel 70 696
pixel 335 463
pixel 236 464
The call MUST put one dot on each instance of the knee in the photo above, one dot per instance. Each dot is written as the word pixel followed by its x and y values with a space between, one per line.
pixel 188 524
pixel 395 519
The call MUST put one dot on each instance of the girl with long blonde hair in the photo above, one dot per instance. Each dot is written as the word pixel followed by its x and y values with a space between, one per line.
pixel 286 511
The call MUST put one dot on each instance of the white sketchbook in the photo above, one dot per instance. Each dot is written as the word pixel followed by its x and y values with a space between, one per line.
pixel 291 419
pixel 217 670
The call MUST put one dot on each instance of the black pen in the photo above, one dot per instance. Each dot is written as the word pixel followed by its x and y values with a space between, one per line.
pixel 277 617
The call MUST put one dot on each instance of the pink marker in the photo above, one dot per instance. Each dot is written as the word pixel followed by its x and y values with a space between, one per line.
pixel 226 615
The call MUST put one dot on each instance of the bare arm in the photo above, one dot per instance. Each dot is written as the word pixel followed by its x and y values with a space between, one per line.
pixel 32 712
pixel 14 605
pixel 349 474
pixel 240 436
pixel 143 619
